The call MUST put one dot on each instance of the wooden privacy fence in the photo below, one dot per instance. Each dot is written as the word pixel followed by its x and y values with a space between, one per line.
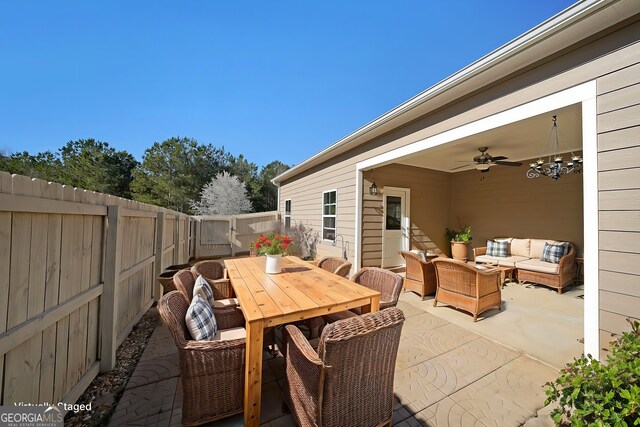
pixel 77 271
pixel 228 235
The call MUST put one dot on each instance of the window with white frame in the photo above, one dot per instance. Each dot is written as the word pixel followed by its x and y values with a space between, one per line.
pixel 329 199
pixel 287 214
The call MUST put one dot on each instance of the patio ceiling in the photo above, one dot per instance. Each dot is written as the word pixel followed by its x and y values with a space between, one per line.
pixel 518 141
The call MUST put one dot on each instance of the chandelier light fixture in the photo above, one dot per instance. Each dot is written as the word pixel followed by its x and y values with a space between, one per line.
pixel 555 166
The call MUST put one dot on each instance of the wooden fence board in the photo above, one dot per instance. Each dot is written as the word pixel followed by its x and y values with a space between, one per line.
pixel 19 273
pixel 5 259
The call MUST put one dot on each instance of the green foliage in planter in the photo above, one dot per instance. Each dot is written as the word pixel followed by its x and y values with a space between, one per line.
pixel 462 235
pixel 590 393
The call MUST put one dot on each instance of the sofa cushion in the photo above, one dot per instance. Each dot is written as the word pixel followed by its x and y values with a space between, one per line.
pixel 521 247
pixel 225 302
pixel 538 266
pixel 487 259
pixel 554 252
pixel 537 246
pixel 511 261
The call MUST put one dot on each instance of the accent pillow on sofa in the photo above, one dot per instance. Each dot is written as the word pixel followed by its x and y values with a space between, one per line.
pixel 203 289
pixel 200 320
pixel 554 252
pixel 497 248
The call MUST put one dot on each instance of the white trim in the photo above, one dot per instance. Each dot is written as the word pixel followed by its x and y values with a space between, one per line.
pixel 584 93
pixel 406 218
pixel 335 216
pixel 551 27
pixel 590 218
pixel 357 252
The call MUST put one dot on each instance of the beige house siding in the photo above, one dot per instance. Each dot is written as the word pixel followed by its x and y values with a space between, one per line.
pixel 611 58
pixel 430 201
pixel 618 106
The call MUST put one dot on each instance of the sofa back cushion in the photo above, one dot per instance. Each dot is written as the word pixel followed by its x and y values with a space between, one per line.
pixel 521 247
pixel 537 246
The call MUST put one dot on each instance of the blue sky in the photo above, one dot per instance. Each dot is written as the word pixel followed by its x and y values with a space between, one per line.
pixel 273 80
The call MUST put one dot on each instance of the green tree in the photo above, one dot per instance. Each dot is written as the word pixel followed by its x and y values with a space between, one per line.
pixel 94 165
pixel 45 165
pixel 174 171
pixel 265 194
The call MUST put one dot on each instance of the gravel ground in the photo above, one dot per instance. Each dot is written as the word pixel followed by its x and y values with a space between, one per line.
pixel 106 389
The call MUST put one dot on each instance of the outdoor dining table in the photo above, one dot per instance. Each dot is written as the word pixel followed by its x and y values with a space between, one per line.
pixel 300 291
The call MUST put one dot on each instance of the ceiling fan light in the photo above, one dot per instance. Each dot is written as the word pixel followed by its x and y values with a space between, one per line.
pixel 482 167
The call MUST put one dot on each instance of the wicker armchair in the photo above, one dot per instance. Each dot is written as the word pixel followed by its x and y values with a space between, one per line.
pixel 185 281
pixel 212 372
pixel 215 275
pixel 465 287
pixel 339 266
pixel 349 380
pixel 420 276
pixel 388 283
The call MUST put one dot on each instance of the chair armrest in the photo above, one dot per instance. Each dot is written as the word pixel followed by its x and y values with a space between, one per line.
pixel 567 262
pixel 304 374
pixel 229 317
pixel 479 251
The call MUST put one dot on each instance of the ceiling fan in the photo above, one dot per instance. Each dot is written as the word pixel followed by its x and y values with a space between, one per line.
pixel 484 161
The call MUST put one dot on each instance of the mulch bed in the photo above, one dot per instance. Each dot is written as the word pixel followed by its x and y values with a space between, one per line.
pixel 106 389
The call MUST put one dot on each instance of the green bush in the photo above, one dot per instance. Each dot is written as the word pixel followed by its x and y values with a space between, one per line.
pixel 591 393
pixel 462 235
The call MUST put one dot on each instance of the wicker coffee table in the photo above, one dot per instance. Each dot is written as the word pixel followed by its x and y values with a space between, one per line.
pixel 505 272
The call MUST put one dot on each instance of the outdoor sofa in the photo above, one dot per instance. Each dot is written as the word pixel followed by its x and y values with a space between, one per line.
pixel 530 264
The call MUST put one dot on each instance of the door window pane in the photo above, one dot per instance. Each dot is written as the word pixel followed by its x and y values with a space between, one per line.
pixel 394 213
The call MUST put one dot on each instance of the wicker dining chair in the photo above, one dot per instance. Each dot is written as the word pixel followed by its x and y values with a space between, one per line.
pixel 214 273
pixel 467 288
pixel 339 266
pixel 212 372
pixel 388 283
pixel 420 276
pixel 349 380
pixel 185 282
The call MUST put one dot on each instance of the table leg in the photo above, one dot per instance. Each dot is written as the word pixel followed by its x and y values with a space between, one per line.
pixel 373 306
pixel 253 373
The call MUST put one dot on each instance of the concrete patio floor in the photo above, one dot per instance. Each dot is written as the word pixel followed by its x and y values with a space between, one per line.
pixel 446 374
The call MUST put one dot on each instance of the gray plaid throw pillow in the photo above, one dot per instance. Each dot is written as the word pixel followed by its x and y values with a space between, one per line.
pixel 490 247
pixel 203 289
pixel 500 248
pixel 553 252
pixel 200 320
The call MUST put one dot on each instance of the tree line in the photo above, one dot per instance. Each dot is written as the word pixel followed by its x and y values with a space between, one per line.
pixel 173 173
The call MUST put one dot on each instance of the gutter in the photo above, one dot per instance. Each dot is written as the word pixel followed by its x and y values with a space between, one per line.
pixel 546 29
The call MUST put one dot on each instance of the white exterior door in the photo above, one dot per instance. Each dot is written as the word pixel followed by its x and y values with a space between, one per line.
pixel 395 226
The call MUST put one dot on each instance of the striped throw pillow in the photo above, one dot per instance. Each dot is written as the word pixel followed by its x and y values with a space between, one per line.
pixel 200 320
pixel 500 248
pixel 490 247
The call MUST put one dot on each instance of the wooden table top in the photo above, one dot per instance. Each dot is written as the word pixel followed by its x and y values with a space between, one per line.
pixel 300 291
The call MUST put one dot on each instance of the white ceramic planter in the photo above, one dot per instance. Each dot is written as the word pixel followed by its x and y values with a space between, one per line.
pixel 274 263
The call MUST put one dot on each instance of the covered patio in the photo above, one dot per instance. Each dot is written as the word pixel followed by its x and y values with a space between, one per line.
pixel 446 374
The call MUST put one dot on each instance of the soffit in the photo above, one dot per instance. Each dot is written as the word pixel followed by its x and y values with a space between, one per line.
pixel 522 140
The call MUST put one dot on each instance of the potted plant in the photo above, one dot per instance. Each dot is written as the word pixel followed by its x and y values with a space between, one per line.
pixel 273 246
pixel 460 240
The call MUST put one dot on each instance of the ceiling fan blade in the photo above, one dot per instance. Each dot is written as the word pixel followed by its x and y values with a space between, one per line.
pixel 499 158
pixel 460 167
pixel 503 163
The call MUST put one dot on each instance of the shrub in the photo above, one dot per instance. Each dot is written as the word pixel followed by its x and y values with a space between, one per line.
pixel 591 393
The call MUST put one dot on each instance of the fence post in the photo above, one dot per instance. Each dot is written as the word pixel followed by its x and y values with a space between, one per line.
pixel 232 235
pixel 109 309
pixel 157 291
pixel 176 240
